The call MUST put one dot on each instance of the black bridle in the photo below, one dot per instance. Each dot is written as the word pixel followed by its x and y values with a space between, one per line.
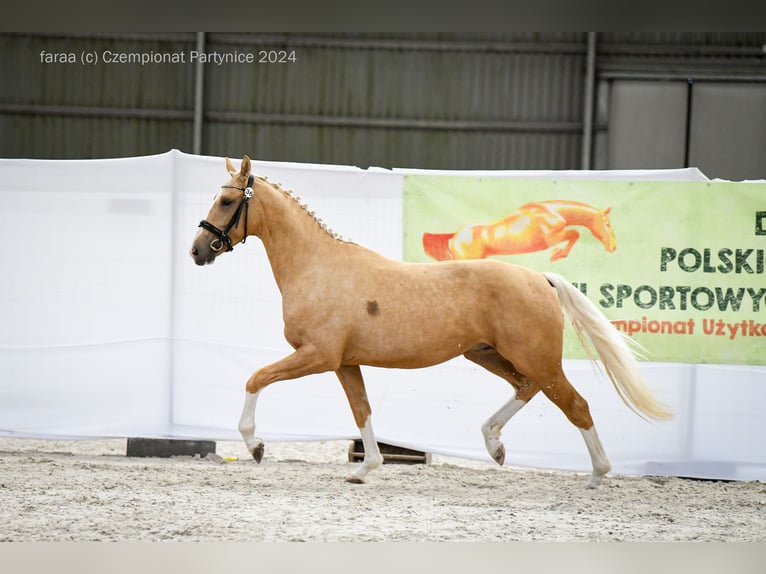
pixel 222 235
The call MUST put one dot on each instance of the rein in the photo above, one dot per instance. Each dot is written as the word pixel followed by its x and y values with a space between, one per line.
pixel 222 235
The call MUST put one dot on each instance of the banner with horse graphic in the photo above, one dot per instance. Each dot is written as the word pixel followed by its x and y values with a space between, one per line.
pixel 679 266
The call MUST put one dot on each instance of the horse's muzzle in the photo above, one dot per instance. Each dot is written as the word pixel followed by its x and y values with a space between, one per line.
pixel 200 259
pixel 201 252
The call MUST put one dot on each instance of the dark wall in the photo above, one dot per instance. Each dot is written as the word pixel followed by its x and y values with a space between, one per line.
pixel 452 101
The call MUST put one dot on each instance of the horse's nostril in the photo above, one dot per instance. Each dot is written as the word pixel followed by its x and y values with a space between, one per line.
pixel 195 251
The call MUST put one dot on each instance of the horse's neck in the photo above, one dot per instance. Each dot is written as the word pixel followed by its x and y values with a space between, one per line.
pixel 293 239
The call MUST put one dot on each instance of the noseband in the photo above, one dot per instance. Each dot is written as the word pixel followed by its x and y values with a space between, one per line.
pixel 222 235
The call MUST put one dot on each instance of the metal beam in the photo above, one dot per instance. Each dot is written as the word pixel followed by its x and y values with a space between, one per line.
pixel 590 86
pixel 199 96
pixel 395 123
pixel 672 75
pixel 96 112
pixel 296 119
pixel 399 44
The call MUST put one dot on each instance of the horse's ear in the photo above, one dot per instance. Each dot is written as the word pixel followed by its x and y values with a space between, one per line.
pixel 230 167
pixel 607 210
pixel 244 169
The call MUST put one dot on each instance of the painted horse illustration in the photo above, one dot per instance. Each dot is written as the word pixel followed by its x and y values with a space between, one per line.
pixel 345 306
pixel 533 227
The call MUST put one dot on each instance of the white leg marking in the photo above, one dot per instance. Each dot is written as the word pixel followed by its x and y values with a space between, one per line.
pixel 247 426
pixel 494 426
pixel 372 457
pixel 598 458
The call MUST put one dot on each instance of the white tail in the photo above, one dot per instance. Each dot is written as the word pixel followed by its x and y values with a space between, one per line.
pixel 614 348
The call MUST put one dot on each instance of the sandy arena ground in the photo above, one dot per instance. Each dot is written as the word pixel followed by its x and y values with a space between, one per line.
pixel 90 491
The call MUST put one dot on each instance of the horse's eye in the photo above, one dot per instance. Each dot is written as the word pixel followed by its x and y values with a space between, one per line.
pixel 226 202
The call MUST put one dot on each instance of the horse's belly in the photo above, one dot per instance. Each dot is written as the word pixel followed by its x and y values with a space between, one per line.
pixel 426 314
pixel 413 356
pixel 418 338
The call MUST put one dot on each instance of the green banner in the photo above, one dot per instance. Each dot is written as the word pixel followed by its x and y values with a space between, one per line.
pixel 679 266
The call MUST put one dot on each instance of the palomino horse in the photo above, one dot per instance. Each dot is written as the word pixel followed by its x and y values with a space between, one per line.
pixel 345 306
pixel 533 227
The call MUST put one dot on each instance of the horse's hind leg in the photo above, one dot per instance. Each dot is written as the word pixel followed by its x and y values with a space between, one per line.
pixel 597 455
pixel 557 388
pixel 494 362
pixel 561 392
pixel 353 384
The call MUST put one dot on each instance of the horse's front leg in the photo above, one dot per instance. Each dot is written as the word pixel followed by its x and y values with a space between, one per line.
pixel 353 384
pixel 247 427
pixel 306 360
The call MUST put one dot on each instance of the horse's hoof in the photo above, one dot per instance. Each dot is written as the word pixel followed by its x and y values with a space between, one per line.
pixel 499 455
pixel 354 479
pixel 258 453
pixel 594 481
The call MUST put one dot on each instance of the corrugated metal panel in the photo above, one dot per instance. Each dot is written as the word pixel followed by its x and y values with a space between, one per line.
pixel 512 37
pixel 432 100
pixel 27 79
pixel 436 149
pixel 57 110
pixel 684 39
pixel 483 97
pixel 380 83
pixel 678 54
pixel 57 137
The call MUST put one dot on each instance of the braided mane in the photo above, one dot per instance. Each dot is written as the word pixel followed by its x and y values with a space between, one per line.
pixel 297 199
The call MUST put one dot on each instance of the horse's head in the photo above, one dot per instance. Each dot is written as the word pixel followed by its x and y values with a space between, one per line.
pixel 602 229
pixel 226 222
